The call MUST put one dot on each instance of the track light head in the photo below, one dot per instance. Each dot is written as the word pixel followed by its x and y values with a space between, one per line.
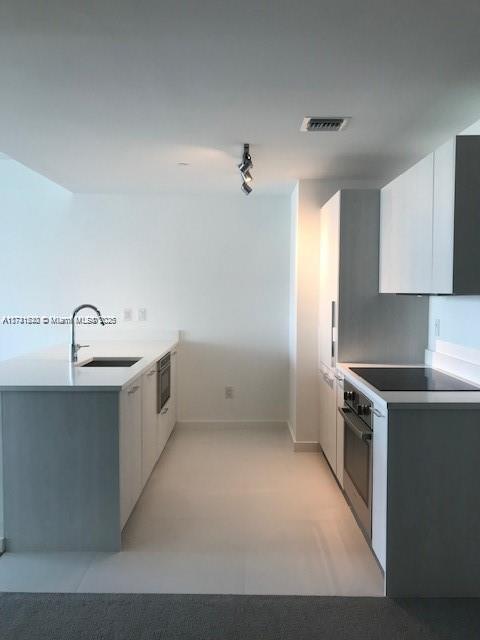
pixel 245 165
pixel 246 188
pixel 247 176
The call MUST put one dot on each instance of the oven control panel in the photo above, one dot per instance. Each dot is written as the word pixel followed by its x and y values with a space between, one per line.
pixel 358 402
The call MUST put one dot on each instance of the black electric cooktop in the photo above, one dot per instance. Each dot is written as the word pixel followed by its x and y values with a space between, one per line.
pixel 411 379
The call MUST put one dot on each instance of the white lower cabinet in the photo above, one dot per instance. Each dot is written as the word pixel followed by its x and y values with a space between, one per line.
pixel 379 489
pixel 167 417
pixel 149 422
pixel 130 448
pixel 143 433
pixel 162 430
pixel 172 403
pixel 327 434
pixel 339 428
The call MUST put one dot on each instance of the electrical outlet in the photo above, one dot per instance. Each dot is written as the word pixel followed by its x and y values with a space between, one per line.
pixel 127 315
pixel 142 314
pixel 437 328
pixel 228 393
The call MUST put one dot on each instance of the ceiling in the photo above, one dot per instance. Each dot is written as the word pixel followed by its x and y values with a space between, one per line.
pixel 110 96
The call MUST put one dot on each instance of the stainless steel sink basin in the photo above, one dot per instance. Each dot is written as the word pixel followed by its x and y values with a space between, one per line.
pixel 110 362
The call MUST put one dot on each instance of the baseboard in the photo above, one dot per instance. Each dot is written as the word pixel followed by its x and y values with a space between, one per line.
pixel 302 446
pixel 298 445
pixel 226 424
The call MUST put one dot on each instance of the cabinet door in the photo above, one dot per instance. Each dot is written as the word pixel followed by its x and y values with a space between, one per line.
pixel 124 462
pixel 172 403
pixel 149 423
pixel 406 207
pixel 162 429
pixel 328 416
pixel 130 449
pixel 340 427
pixel 329 272
pixel 135 413
pixel 379 490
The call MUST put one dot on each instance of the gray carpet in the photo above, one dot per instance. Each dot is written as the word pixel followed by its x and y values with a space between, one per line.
pixel 188 617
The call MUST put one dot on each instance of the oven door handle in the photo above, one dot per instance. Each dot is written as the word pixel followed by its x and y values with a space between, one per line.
pixel 356 425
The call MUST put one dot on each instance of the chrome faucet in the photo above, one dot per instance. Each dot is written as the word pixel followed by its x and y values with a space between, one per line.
pixel 74 347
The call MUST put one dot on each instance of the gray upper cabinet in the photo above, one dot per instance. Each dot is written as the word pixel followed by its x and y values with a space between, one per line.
pixel 430 218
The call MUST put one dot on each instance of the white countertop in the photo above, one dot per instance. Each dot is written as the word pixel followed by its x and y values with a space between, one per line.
pixel 407 399
pixel 51 370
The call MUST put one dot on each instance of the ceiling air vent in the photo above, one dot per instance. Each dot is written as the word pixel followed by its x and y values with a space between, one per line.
pixel 324 124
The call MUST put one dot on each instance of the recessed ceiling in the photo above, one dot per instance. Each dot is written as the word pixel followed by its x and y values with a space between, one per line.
pixel 111 96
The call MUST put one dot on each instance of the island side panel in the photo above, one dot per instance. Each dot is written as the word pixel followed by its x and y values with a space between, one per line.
pixel 2 529
pixel 433 515
pixel 61 470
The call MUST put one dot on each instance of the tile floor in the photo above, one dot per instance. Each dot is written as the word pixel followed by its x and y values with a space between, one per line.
pixel 226 510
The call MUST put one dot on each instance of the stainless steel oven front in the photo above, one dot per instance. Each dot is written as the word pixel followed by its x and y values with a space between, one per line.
pixel 357 472
pixel 163 382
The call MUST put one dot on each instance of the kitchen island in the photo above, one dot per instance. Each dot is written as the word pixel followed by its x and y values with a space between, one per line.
pixel 79 443
pixel 425 494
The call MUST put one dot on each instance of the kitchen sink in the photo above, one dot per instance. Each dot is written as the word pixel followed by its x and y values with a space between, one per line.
pixel 110 362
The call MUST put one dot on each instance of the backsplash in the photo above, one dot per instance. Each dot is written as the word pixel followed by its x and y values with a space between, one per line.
pixel 456 359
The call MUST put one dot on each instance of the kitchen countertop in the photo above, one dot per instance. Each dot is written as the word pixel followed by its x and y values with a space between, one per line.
pixel 51 370
pixel 410 399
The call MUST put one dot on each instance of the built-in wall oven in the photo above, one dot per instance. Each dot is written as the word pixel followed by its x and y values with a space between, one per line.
pixel 163 382
pixel 357 472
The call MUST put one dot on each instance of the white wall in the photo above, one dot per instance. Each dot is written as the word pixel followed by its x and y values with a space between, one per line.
pixel 215 267
pixel 292 402
pixel 32 227
pixel 459 316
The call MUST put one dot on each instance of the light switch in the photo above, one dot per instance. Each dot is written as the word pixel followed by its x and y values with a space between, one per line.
pixel 142 314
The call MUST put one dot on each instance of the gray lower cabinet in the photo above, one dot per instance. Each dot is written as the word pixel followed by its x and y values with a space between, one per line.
pixel 426 522
pixel 62 469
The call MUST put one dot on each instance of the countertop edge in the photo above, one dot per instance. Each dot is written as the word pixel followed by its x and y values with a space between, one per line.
pixel 63 388
pixel 139 369
pixel 427 402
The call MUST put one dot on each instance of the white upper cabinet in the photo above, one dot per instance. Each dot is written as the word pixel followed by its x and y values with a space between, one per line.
pixel 430 217
pixel 406 206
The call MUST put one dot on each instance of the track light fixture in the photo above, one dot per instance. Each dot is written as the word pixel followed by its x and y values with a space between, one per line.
pixel 245 165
